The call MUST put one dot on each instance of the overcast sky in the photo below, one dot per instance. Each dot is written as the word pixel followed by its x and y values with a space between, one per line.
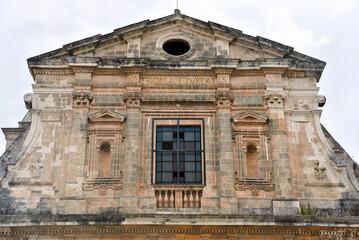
pixel 324 29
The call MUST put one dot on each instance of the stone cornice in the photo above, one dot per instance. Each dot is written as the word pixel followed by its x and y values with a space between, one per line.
pixel 173 218
pixel 208 231
pixel 291 69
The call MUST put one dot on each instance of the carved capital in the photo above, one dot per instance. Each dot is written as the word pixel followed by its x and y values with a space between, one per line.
pixel 132 99
pixel 224 99
pixel 275 99
pixel 82 99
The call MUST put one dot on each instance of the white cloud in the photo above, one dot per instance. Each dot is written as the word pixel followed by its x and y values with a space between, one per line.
pixel 279 25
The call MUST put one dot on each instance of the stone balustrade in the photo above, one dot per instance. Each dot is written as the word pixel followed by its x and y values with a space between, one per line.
pixel 178 196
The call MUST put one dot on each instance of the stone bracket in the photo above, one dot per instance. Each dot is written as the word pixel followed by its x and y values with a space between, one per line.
pixel 103 184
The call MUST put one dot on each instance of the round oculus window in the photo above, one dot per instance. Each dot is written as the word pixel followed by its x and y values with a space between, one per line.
pixel 176 47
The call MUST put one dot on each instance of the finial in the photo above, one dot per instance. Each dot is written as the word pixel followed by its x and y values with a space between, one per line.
pixel 177 11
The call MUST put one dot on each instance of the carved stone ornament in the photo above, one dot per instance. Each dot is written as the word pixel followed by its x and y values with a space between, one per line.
pixel 36 169
pixel 254 185
pixel 82 99
pixel 107 115
pixel 275 99
pixel 104 184
pixel 320 173
pixel 321 100
pixel 224 99
pixel 171 106
pixel 132 99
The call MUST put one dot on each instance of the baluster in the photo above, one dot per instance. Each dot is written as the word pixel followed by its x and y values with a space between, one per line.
pixel 172 198
pixel 191 198
pixel 160 199
pixel 197 198
pixel 184 199
pixel 166 198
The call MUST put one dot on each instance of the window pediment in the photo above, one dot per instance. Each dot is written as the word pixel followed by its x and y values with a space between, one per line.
pixel 250 117
pixel 107 116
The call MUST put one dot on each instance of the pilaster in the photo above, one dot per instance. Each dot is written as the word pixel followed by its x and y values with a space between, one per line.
pixel 275 96
pixel 132 99
pixel 224 99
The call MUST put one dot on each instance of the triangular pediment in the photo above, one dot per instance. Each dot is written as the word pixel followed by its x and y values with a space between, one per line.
pixel 249 117
pixel 106 116
pixel 209 40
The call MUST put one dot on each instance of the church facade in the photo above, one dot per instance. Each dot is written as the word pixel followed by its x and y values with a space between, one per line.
pixel 176 129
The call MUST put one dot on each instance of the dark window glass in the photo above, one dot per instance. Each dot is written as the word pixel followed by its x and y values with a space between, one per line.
pixel 178 155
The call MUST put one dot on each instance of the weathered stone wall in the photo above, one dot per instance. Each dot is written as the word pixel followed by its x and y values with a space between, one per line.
pixel 265 152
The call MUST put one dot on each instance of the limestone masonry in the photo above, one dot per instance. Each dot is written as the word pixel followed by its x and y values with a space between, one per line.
pixel 176 129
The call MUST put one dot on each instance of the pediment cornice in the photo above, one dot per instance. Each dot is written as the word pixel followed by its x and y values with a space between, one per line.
pixel 214 29
pixel 107 115
pixel 249 117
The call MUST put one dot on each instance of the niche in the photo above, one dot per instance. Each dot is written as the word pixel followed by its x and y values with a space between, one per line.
pixel 251 155
pixel 104 160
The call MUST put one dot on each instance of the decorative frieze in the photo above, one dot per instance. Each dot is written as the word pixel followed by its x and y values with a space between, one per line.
pixel 180 106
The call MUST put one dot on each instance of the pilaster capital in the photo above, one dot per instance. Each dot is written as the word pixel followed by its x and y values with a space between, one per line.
pixel 224 99
pixel 133 99
pixel 275 98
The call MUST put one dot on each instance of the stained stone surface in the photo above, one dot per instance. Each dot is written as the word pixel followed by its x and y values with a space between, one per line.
pixel 253 98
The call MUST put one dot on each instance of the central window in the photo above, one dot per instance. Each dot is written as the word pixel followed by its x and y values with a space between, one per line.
pixel 178 151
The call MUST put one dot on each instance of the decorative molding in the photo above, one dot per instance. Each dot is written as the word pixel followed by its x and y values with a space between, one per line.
pixel 239 74
pixel 321 100
pixel 275 99
pixel 227 232
pixel 36 169
pixel 320 173
pixel 253 184
pixel 132 99
pixel 107 115
pixel 83 70
pixel 224 99
pixel 103 184
pixel 173 106
pixel 82 99
pixel 52 73
pixel 178 74
pixel 109 72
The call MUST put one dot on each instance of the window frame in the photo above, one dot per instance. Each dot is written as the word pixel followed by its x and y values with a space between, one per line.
pixel 154 142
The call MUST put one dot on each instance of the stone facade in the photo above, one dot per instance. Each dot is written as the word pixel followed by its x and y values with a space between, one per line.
pixel 129 138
